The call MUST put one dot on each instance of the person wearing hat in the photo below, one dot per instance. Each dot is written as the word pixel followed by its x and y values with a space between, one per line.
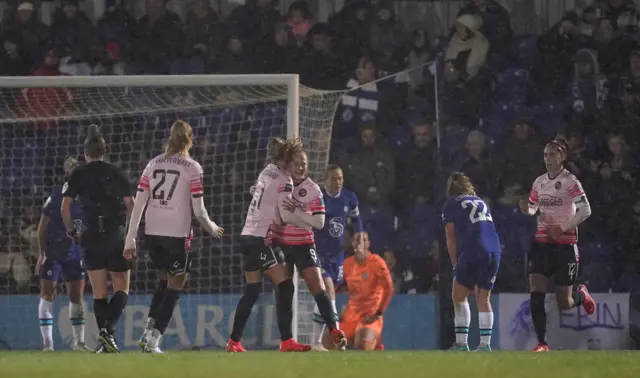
pixel 589 90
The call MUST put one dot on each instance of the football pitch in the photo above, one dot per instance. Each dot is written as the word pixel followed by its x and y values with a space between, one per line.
pixel 582 364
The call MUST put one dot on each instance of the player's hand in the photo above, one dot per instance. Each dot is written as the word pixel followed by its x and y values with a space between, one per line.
pixel 289 204
pixel 368 319
pixel 218 233
pixel 554 232
pixel 129 253
pixel 41 260
pixel 524 206
pixel 74 235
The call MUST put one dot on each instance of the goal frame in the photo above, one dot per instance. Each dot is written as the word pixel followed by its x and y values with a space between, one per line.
pixel 292 82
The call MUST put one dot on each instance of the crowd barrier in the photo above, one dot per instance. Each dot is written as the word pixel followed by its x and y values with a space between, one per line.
pixel 411 323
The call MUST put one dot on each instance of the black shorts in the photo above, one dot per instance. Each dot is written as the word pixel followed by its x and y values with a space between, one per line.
pixel 103 250
pixel 257 255
pixel 302 256
pixel 169 253
pixel 558 260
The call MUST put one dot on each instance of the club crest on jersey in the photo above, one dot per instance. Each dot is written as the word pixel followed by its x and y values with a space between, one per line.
pixel 558 185
pixel 346 208
pixel 302 192
pixel 365 275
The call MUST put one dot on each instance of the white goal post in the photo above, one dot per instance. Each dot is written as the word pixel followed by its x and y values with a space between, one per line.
pixel 43 120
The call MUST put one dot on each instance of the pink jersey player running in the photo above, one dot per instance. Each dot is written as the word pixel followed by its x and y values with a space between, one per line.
pixel 304 212
pixel 170 187
pixel 562 204
pixel 273 186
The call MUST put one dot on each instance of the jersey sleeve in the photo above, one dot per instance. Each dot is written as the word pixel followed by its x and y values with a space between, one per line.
pixel 49 206
pixel 575 189
pixel 72 186
pixel 143 184
pixel 533 194
pixel 381 272
pixel 195 181
pixel 316 206
pixel 448 215
pixel 354 213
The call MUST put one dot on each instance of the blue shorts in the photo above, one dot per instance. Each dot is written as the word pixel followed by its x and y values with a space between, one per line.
pixel 57 270
pixel 479 270
pixel 331 267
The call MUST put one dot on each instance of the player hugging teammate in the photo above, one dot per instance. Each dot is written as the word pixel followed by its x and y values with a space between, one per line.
pixel 563 205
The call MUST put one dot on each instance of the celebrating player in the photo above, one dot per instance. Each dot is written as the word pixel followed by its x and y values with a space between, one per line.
pixel 102 188
pixel 303 212
pixel 474 249
pixel 60 258
pixel 273 185
pixel 170 186
pixel 563 206
pixel 340 204
pixel 370 289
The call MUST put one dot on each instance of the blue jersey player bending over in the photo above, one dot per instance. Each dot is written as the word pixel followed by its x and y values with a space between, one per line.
pixel 60 258
pixel 340 204
pixel 474 249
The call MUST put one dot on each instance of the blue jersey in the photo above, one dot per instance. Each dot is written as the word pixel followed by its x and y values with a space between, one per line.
pixel 330 240
pixel 475 231
pixel 58 244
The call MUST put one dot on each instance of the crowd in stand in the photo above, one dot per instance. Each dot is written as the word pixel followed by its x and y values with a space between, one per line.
pixel 500 97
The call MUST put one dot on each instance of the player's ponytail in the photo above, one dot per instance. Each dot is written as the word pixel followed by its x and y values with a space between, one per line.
pixel 181 139
pixel 70 165
pixel 94 145
pixel 459 184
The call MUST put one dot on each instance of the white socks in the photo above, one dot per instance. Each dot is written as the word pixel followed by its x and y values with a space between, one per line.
pixel 485 320
pixel 462 320
pixel 76 315
pixel 318 323
pixel 45 313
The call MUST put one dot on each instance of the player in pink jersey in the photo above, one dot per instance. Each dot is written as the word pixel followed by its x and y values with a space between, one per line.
pixel 272 188
pixel 170 186
pixel 304 212
pixel 563 205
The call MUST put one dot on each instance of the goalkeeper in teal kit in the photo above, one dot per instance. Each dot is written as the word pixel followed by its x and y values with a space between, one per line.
pixel 341 204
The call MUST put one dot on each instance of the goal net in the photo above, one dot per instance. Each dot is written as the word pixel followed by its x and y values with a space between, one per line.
pixel 44 120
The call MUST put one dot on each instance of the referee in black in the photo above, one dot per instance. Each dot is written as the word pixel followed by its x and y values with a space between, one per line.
pixel 101 189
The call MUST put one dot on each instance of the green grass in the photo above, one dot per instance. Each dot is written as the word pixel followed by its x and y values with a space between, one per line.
pixel 582 364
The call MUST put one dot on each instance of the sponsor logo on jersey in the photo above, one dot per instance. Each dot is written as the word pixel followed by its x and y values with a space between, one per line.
pixel 551 201
pixel 336 228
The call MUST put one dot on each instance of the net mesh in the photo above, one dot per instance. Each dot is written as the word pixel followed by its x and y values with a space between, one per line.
pixel 41 127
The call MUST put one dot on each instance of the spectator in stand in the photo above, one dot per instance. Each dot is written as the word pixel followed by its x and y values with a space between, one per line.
pixel 416 167
pixel 360 105
pixel 282 54
pixel 115 29
pixel 496 26
pixel 299 19
pixel 33 33
pixel 45 102
pixel 14 61
pixel 622 11
pixel 521 154
pixel 613 47
pixel 625 111
pixel 14 265
pixel 553 68
pixel 634 67
pixel 465 59
pixel 236 58
pixel 478 165
pixel 75 38
pixel 388 38
pixel 352 26
pixel 370 171
pixel 588 93
pixel 255 20
pixel 205 33
pixel 322 67
pixel 420 79
pixel 578 161
pixel 158 39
